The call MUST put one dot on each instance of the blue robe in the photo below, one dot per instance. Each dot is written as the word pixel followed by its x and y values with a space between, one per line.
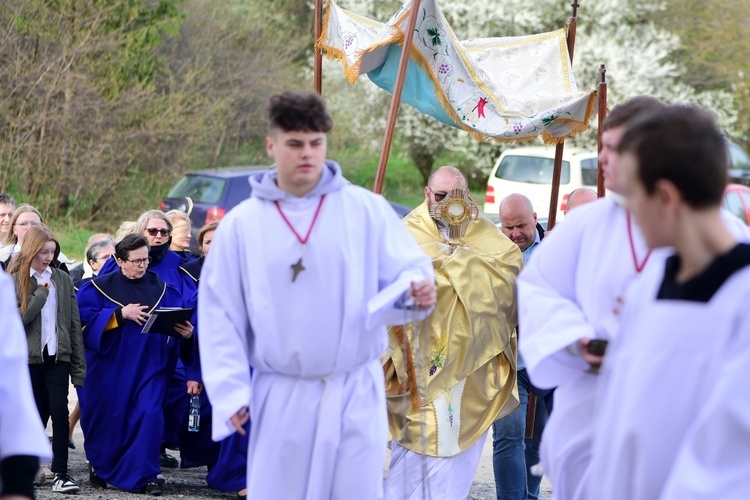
pixel 121 404
pixel 226 460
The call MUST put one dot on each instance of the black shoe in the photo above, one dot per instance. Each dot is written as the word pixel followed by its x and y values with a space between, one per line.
pixel 152 489
pixel 71 445
pixel 168 461
pixel 95 480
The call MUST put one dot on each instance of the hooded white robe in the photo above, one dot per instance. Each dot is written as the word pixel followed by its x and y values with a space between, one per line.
pixel 570 290
pixel 316 394
pixel 672 368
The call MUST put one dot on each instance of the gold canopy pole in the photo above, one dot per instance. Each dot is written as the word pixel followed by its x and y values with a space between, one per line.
pixel 396 98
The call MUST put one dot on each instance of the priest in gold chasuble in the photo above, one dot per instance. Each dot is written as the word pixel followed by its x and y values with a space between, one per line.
pixel 449 377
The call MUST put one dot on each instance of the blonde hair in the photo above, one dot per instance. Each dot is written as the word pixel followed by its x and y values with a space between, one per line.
pixel 142 222
pixel 20 265
pixel 176 216
pixel 11 238
pixel 127 227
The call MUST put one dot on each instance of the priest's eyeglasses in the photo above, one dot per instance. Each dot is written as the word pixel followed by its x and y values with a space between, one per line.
pixel 438 196
pixel 139 262
pixel 153 231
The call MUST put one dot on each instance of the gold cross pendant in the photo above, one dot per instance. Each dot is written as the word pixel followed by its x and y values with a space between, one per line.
pixel 297 268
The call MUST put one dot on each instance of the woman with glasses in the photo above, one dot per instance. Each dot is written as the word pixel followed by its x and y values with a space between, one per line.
pixel 47 302
pixel 121 407
pixel 24 217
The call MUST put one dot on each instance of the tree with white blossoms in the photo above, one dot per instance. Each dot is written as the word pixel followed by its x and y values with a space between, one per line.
pixel 617 33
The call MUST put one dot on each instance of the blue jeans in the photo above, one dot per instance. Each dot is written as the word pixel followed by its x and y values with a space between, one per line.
pixel 512 454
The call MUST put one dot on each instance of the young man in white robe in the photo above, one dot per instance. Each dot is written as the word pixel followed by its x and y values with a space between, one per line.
pixel 571 292
pixel 664 431
pixel 22 439
pixel 301 280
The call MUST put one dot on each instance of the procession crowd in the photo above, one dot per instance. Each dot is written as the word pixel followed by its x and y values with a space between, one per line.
pixel 316 329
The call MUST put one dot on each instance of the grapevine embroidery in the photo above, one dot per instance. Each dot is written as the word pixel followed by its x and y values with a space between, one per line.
pixel 437 357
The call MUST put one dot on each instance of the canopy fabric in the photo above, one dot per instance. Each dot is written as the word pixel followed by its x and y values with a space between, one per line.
pixel 509 89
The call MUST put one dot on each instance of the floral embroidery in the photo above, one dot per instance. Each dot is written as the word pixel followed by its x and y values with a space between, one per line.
pixel 437 357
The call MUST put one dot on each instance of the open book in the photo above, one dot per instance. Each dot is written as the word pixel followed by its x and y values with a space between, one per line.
pixel 163 320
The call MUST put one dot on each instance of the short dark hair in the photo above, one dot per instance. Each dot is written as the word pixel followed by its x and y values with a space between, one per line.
pixel 129 242
pixel 683 145
pixel 299 112
pixel 633 108
pixel 7 199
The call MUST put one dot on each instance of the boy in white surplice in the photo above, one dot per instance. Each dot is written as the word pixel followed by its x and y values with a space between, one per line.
pixel 301 280
pixel 674 422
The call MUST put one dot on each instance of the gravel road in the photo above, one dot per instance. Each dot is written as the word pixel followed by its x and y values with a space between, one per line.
pixel 190 484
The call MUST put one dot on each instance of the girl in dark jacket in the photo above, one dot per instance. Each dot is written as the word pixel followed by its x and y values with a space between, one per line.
pixel 47 302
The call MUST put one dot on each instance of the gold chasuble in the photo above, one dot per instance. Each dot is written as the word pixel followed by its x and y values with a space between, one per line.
pixel 449 378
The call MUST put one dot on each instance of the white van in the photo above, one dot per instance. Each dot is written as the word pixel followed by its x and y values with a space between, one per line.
pixel 528 171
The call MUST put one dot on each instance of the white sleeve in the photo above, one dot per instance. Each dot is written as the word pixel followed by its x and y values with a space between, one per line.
pixel 550 318
pixel 21 430
pixel 713 459
pixel 401 262
pixel 224 326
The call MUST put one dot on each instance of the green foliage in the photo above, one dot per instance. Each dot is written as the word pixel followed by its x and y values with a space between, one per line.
pixel 72 238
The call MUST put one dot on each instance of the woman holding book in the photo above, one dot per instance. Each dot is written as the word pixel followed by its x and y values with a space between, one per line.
pixel 121 407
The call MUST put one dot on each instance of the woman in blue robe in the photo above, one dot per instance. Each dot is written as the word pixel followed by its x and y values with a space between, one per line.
pixel 121 405
pixel 226 460
pixel 156 227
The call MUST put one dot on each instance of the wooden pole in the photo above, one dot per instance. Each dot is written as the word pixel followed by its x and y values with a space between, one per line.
pixel 602 117
pixel 318 56
pixel 396 97
pixel 557 165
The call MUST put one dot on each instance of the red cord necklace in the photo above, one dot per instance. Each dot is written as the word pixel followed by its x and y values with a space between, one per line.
pixel 638 265
pixel 298 267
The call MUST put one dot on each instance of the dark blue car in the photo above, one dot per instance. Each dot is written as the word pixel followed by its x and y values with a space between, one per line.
pixel 207 195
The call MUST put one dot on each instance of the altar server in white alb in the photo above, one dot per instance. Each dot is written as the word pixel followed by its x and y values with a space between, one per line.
pixel 22 438
pixel 674 421
pixel 571 292
pixel 301 280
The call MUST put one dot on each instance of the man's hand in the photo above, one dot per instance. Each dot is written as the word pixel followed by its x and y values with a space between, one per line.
pixel 583 349
pixel 423 293
pixel 194 388
pixel 135 312
pixel 185 329
pixel 240 418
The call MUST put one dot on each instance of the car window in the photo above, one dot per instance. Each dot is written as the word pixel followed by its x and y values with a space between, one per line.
pixel 734 204
pixel 200 188
pixel 531 169
pixel 589 172
pixel 738 157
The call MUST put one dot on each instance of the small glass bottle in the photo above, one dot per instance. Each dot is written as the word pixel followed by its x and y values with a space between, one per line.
pixel 194 416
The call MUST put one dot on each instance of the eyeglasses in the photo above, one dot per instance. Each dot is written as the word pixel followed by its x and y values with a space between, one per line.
pixel 25 224
pixel 153 231
pixel 139 262
pixel 438 196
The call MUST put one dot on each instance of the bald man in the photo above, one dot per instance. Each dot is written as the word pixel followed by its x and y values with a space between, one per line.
pixel 449 378
pixel 512 454
pixel 579 197
pixel 518 221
